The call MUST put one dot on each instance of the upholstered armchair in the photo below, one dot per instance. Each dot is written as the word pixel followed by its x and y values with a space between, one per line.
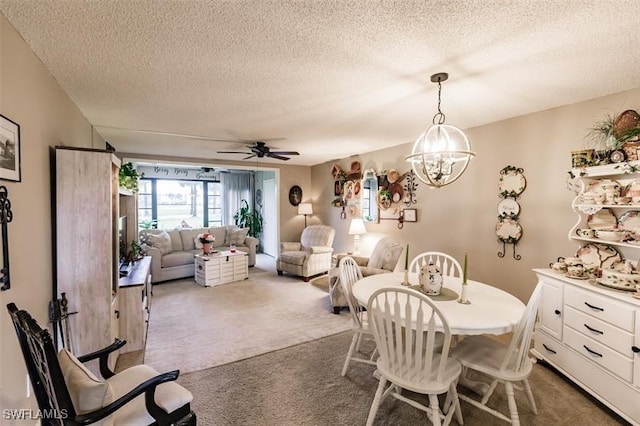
pixel 383 259
pixel 311 256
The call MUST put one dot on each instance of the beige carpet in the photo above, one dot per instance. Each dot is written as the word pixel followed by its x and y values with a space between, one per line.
pixel 192 327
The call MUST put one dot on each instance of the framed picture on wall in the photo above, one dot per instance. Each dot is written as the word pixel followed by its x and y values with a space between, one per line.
pixel 410 215
pixel 9 149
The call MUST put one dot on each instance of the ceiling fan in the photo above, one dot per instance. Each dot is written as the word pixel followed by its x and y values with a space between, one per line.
pixel 260 150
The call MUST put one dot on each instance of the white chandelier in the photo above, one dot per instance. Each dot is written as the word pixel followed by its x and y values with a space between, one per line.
pixel 442 153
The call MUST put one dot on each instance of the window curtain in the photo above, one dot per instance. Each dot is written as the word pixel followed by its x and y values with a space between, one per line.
pixel 235 188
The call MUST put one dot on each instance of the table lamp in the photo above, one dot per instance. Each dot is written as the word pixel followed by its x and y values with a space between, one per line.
pixel 305 209
pixel 356 229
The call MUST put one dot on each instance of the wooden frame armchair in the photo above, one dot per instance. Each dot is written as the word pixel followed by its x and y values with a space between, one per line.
pixel 69 394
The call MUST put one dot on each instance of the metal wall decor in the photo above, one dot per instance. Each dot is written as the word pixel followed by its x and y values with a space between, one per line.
pixel 511 185
pixel 410 188
pixel 6 216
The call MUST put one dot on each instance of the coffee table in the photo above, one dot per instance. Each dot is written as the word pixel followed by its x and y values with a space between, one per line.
pixel 221 268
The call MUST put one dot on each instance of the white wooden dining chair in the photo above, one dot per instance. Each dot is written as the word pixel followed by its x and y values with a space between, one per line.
pixel 349 274
pixel 447 264
pixel 506 364
pixel 403 322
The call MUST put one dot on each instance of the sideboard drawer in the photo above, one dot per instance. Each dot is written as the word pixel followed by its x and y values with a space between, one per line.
pixel 606 309
pixel 600 331
pixel 600 354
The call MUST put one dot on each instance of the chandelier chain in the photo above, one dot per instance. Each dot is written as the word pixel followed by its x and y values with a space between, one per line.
pixel 439 118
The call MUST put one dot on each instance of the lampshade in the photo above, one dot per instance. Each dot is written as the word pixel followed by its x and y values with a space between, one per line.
pixel 305 208
pixel 357 227
pixel 442 153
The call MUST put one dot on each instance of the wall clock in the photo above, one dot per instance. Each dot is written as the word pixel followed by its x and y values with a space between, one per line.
pixel 295 195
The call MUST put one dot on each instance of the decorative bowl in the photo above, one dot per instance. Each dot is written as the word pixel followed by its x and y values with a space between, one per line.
pixel 615 235
pixel 620 279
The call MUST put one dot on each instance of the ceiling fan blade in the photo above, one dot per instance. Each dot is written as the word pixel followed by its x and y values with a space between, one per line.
pixel 279 157
pixel 251 156
pixel 232 152
pixel 285 152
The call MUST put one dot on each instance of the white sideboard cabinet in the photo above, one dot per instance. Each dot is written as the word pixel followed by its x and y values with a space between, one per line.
pixel 588 331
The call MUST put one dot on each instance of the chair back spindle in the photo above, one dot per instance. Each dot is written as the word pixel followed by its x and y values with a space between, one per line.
pixel 448 265
pixel 349 274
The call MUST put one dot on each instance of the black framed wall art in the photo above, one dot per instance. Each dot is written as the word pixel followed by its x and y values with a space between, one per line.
pixel 9 149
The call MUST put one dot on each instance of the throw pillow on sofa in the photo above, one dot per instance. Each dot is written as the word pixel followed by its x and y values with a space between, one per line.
pixel 237 236
pixel 161 241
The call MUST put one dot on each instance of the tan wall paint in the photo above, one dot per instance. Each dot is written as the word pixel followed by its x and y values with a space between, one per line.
pixel 31 97
pixel 461 218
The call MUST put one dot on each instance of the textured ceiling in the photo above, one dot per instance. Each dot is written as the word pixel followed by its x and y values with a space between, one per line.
pixel 333 78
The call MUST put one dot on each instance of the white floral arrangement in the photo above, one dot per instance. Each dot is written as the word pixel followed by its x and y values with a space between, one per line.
pixel 206 238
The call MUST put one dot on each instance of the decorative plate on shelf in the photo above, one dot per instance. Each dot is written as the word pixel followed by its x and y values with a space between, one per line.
pixel 602 219
pixel 630 220
pixel 601 256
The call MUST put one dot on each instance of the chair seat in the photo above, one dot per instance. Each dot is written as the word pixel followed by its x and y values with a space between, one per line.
pixel 486 355
pixel 293 257
pixel 170 396
pixel 426 382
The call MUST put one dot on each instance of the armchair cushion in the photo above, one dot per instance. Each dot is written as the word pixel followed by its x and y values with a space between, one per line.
pixel 170 396
pixel 293 257
pixel 88 393
pixel 320 249
pixel 290 246
pixel 366 271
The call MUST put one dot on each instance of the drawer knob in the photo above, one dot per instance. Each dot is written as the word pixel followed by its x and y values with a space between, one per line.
pixel 594 307
pixel 635 349
pixel 557 312
pixel 200 267
pixel 593 329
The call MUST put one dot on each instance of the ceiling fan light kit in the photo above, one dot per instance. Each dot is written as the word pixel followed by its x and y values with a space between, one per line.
pixel 442 153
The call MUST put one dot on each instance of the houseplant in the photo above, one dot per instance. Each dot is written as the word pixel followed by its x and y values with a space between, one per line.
pixel 128 177
pixel 245 218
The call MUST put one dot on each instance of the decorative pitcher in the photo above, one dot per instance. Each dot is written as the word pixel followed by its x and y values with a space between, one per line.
pixel 430 279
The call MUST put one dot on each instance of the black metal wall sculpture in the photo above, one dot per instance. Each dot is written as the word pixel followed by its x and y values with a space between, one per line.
pixel 6 216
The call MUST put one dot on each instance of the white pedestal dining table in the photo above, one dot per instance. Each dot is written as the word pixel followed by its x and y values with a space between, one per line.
pixel 490 311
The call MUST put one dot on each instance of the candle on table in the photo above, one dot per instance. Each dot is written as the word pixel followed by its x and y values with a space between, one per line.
pixel 406 258
pixel 464 271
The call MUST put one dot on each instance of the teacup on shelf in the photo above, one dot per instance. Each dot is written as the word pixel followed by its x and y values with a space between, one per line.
pixel 585 232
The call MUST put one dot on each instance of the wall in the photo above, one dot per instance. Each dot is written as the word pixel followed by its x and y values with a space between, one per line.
pixel 47 117
pixel 461 218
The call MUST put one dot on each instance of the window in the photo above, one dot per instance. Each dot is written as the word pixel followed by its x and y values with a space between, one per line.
pixel 168 203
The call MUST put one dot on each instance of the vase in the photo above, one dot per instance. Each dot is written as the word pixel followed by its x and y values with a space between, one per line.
pixel 206 248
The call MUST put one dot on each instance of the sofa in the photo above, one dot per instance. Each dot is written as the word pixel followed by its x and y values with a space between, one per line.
pixel 310 256
pixel 172 251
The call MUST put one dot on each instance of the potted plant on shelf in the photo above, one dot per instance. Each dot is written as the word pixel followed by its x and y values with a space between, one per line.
pixel 128 177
